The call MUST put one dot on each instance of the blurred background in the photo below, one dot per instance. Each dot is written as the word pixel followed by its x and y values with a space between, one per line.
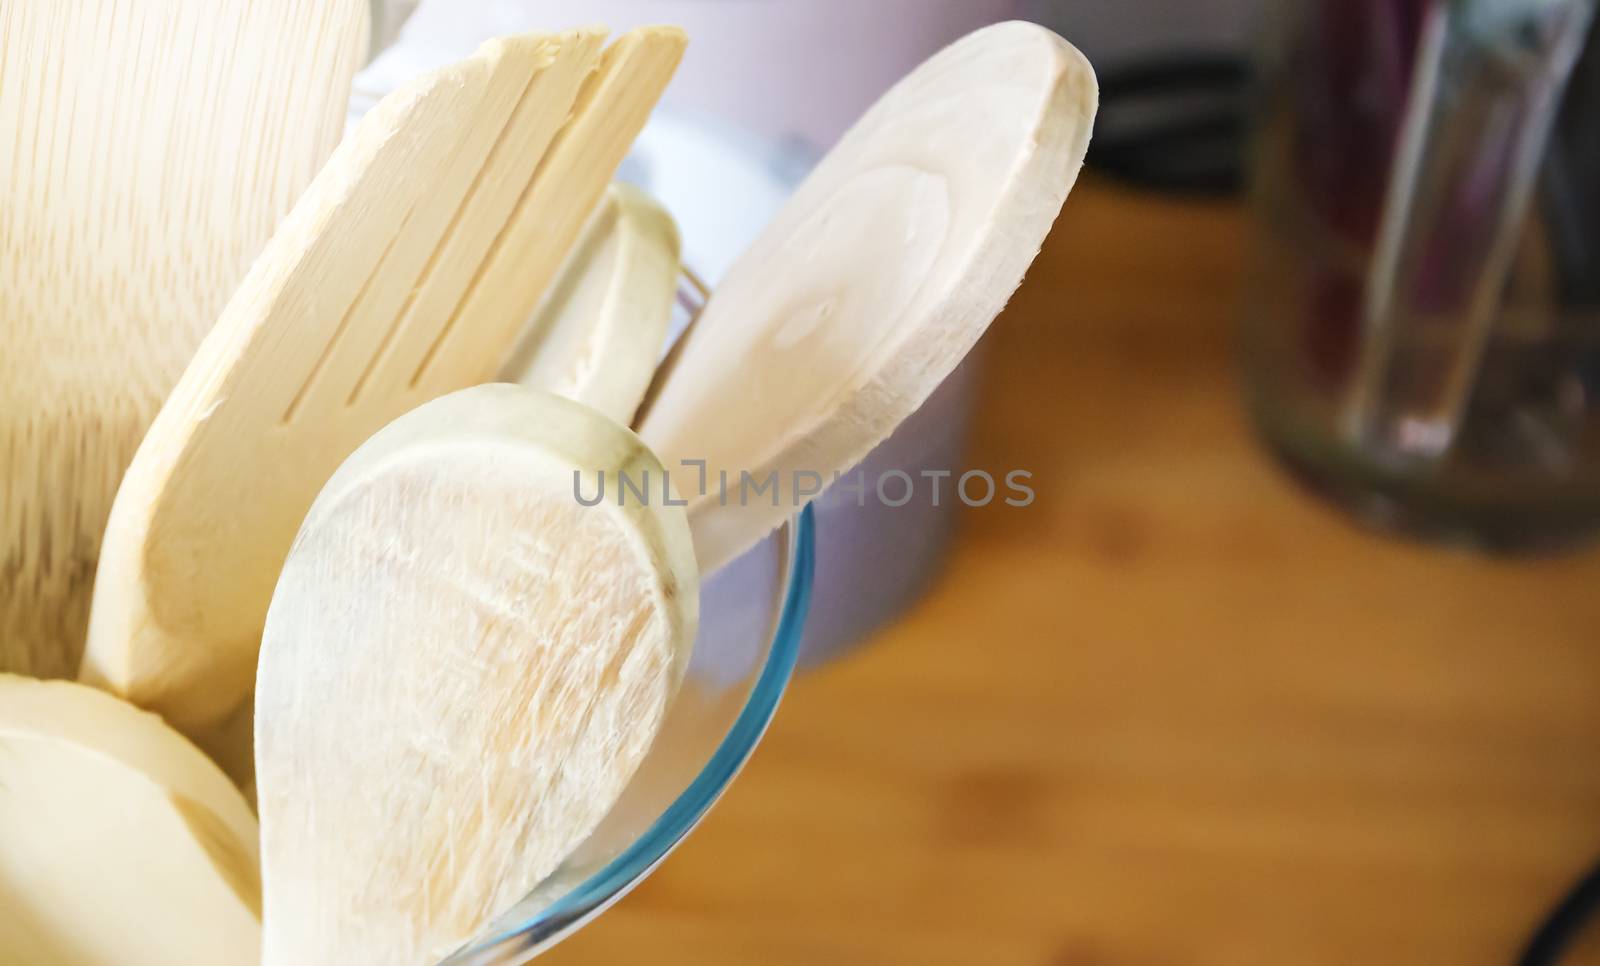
pixel 1294 660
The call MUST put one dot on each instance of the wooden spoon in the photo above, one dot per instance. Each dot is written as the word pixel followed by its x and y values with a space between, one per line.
pixel 405 273
pixel 600 332
pixel 150 150
pixel 463 667
pixel 120 844
pixel 874 282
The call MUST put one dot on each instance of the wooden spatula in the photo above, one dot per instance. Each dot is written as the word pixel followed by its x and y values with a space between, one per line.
pixel 119 842
pixel 600 332
pixel 150 150
pixel 404 273
pixel 874 282
pixel 463 666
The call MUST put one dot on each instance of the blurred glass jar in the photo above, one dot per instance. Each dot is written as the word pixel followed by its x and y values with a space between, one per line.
pixel 1422 337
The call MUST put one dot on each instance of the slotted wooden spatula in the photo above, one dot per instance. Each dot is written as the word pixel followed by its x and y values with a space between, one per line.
pixel 403 274
pixel 874 282
pixel 150 149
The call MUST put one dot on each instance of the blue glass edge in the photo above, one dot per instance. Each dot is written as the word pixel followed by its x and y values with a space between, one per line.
pixel 686 812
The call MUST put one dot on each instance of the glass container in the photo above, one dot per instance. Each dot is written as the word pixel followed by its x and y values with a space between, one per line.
pixel 1422 339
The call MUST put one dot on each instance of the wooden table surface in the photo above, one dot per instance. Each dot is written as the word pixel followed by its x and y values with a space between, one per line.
pixel 1178 712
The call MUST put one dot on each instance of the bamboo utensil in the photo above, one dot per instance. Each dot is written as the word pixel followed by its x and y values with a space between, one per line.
pixel 462 668
pixel 150 151
pixel 873 283
pixel 404 274
pixel 600 333
pixel 120 844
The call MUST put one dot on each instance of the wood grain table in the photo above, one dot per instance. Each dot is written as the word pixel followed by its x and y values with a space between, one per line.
pixel 1178 712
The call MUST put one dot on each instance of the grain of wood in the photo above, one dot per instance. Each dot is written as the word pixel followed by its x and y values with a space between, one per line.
pixel 875 281
pixel 147 152
pixel 418 211
pixel 462 668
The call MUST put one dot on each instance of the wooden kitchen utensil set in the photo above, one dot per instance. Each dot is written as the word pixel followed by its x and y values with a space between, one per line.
pixel 456 665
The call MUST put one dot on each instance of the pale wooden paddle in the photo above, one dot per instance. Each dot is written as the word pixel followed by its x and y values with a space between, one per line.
pixel 601 330
pixel 119 842
pixel 151 149
pixel 404 273
pixel 463 667
pixel 873 283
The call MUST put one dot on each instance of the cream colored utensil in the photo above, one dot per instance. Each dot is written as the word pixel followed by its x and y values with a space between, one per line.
pixel 463 667
pixel 601 330
pixel 405 273
pixel 150 149
pixel 120 843
pixel 874 282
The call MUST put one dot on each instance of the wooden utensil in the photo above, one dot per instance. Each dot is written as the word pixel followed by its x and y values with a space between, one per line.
pixel 150 151
pixel 120 843
pixel 874 282
pixel 600 332
pixel 403 274
pixel 462 668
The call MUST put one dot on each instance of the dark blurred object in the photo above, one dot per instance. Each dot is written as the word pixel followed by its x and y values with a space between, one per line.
pixel 1571 206
pixel 1129 32
pixel 1422 340
pixel 1174 80
pixel 1177 124
pixel 1558 934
